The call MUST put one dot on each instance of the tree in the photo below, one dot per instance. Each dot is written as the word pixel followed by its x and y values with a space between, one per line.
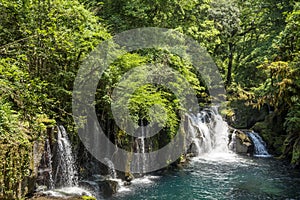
pixel 226 17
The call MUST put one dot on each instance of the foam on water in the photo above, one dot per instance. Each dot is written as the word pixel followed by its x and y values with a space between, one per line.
pixel 67 192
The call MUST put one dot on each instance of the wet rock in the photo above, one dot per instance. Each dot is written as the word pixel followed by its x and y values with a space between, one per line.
pixel 193 149
pixel 109 187
pixel 128 177
pixel 243 143
pixel 244 117
pixel 126 183
pixel 273 132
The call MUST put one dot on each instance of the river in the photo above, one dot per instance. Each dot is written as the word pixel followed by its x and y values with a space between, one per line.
pixel 221 176
pixel 214 173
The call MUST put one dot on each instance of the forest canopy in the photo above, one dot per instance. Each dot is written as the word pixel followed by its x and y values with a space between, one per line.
pixel 255 44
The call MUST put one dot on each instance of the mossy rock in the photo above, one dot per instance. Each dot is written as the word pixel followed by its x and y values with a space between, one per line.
pixel 272 132
pixel 109 187
pixel 243 117
pixel 296 153
pixel 243 143
pixel 88 198
pixel 128 177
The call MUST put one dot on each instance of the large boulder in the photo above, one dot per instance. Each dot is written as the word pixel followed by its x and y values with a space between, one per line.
pixel 241 143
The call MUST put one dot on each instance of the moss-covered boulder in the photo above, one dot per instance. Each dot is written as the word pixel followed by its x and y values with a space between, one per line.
pixel 243 144
pixel 239 141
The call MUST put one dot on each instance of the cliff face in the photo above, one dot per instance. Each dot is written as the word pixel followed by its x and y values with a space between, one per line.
pixel 270 125
pixel 19 168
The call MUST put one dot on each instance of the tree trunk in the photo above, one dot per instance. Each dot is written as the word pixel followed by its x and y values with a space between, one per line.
pixel 229 69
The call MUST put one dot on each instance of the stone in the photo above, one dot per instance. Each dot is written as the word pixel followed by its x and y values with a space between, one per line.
pixel 109 187
pixel 126 183
pixel 243 143
pixel 128 177
pixel 242 147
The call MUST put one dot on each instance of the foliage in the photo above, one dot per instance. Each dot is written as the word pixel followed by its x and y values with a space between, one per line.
pixel 293 119
pixel 255 44
pixel 146 97
pixel 280 88
pixel 281 85
pixel 42 45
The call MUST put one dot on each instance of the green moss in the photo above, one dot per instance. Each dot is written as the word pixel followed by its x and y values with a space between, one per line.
pixel 88 198
pixel 15 168
pixel 296 153
pixel 271 130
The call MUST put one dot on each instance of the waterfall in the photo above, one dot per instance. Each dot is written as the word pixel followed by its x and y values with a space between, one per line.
pixel 137 163
pixel 260 149
pixel 49 164
pixel 140 163
pixel 192 127
pixel 142 139
pixel 111 168
pixel 232 144
pixel 208 132
pixel 140 149
pixel 65 174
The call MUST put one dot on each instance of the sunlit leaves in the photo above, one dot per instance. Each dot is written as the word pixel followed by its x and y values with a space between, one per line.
pixel 279 85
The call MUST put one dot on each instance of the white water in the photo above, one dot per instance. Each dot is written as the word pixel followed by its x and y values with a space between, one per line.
pixel 111 168
pixel 136 164
pixel 136 184
pixel 140 163
pixel 67 192
pixel 260 149
pixel 49 164
pixel 144 161
pixel 65 182
pixel 208 132
pixel 232 145
pixel 66 172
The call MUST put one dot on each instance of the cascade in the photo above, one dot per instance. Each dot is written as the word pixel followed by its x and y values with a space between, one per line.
pixel 137 164
pixel 45 169
pixel 260 149
pixel 208 132
pixel 192 130
pixel 57 169
pixel 144 161
pixel 140 149
pixel 140 163
pixel 49 164
pixel 232 144
pixel 65 173
pixel 111 168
